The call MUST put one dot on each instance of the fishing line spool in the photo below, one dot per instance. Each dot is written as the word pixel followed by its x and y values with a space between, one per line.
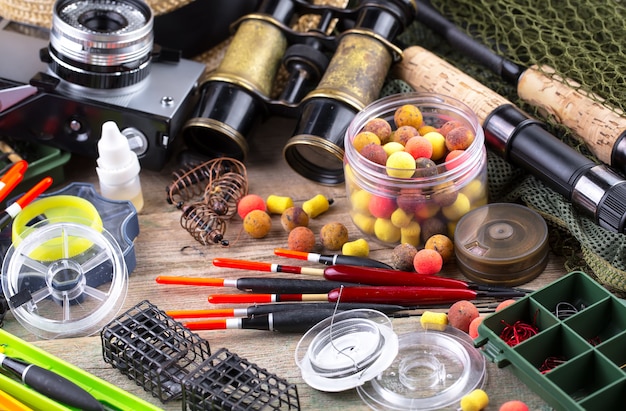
pixel 66 272
pixel 346 350
pixel 419 370
pixel 433 370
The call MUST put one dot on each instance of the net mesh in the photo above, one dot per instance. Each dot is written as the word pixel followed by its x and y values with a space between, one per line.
pixel 582 41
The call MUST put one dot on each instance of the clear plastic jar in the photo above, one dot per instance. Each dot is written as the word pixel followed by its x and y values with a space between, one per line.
pixel 395 210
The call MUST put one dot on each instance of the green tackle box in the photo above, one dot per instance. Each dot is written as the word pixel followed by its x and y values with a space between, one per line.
pixel 576 359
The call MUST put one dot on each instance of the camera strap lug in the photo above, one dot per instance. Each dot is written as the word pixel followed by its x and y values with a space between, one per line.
pixel 44 82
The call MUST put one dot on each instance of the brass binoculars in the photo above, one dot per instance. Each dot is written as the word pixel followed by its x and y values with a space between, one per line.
pixel 330 78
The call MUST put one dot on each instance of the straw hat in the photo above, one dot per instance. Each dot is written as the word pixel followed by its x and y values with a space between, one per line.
pixel 39 12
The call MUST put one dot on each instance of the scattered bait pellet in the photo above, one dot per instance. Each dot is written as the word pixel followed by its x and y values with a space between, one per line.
pixel 316 205
pixel 278 204
pixel 357 248
pixel 475 401
pixel 431 320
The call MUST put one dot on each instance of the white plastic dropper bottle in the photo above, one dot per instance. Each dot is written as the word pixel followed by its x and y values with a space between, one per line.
pixel 118 167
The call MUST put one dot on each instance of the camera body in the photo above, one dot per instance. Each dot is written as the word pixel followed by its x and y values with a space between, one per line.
pixel 150 110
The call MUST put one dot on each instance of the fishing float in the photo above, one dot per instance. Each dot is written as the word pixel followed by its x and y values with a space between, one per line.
pixel 401 295
pixel 364 275
pixel 331 259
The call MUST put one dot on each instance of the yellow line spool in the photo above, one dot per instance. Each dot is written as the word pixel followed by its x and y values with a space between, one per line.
pixel 56 209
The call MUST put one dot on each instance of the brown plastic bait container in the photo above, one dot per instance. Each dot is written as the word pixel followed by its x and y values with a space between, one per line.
pixel 501 244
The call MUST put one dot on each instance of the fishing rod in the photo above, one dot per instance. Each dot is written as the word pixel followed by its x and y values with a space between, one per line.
pixel 597 190
pixel 601 128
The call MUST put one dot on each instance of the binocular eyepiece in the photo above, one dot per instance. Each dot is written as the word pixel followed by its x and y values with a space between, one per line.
pixel 330 79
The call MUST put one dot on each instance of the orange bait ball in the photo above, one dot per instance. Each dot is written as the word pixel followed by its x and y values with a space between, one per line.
pixel 257 223
pixel 461 314
pixel 408 115
pixel 427 262
pixel 248 203
pixel 301 239
pixel 514 405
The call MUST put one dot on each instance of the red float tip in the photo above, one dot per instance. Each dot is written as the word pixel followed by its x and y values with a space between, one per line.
pixel 18 168
pixel 241 298
pixel 283 252
pixel 34 192
pixel 209 313
pixel 179 280
pixel 214 324
pixel 9 182
pixel 242 264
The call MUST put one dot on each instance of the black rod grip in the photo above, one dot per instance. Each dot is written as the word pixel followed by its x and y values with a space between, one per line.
pixel 287 321
pixel 299 307
pixel 527 144
pixel 52 385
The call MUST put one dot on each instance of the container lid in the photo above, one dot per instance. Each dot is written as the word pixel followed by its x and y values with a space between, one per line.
pixel 501 243
pixel 433 370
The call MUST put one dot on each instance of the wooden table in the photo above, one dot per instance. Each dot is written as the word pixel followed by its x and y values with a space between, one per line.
pixel 159 251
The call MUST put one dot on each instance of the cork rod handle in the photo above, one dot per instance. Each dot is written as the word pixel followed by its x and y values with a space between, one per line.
pixel 426 72
pixel 596 125
pixel 599 127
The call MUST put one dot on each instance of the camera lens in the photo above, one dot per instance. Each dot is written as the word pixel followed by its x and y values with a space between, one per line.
pixel 101 44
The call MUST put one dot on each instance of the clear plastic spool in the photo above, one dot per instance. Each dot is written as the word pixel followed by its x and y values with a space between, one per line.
pixel 433 370
pixel 69 296
pixel 346 350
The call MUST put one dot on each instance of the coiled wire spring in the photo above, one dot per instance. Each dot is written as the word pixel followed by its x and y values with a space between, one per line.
pixel 220 183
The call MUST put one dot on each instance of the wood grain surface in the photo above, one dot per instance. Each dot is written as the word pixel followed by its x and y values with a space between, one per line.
pixel 164 248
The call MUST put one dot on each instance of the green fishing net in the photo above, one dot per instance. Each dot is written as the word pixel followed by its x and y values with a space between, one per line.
pixel 582 40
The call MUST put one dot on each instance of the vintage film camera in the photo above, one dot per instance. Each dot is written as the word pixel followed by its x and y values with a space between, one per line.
pixel 97 63
pixel 334 70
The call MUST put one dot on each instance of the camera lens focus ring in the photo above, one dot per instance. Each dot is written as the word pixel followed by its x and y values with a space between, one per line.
pixel 101 43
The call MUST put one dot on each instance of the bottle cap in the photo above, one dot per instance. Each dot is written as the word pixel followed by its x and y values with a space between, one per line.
pixel 117 163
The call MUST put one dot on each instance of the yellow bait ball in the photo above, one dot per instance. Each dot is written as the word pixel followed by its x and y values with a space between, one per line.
pixel 385 231
pixel 458 209
pixel 401 164
pixel 438 142
pixel 365 222
pixel 392 147
pixel 411 233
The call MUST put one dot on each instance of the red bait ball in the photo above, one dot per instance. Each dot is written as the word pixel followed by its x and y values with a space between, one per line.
pixel 427 262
